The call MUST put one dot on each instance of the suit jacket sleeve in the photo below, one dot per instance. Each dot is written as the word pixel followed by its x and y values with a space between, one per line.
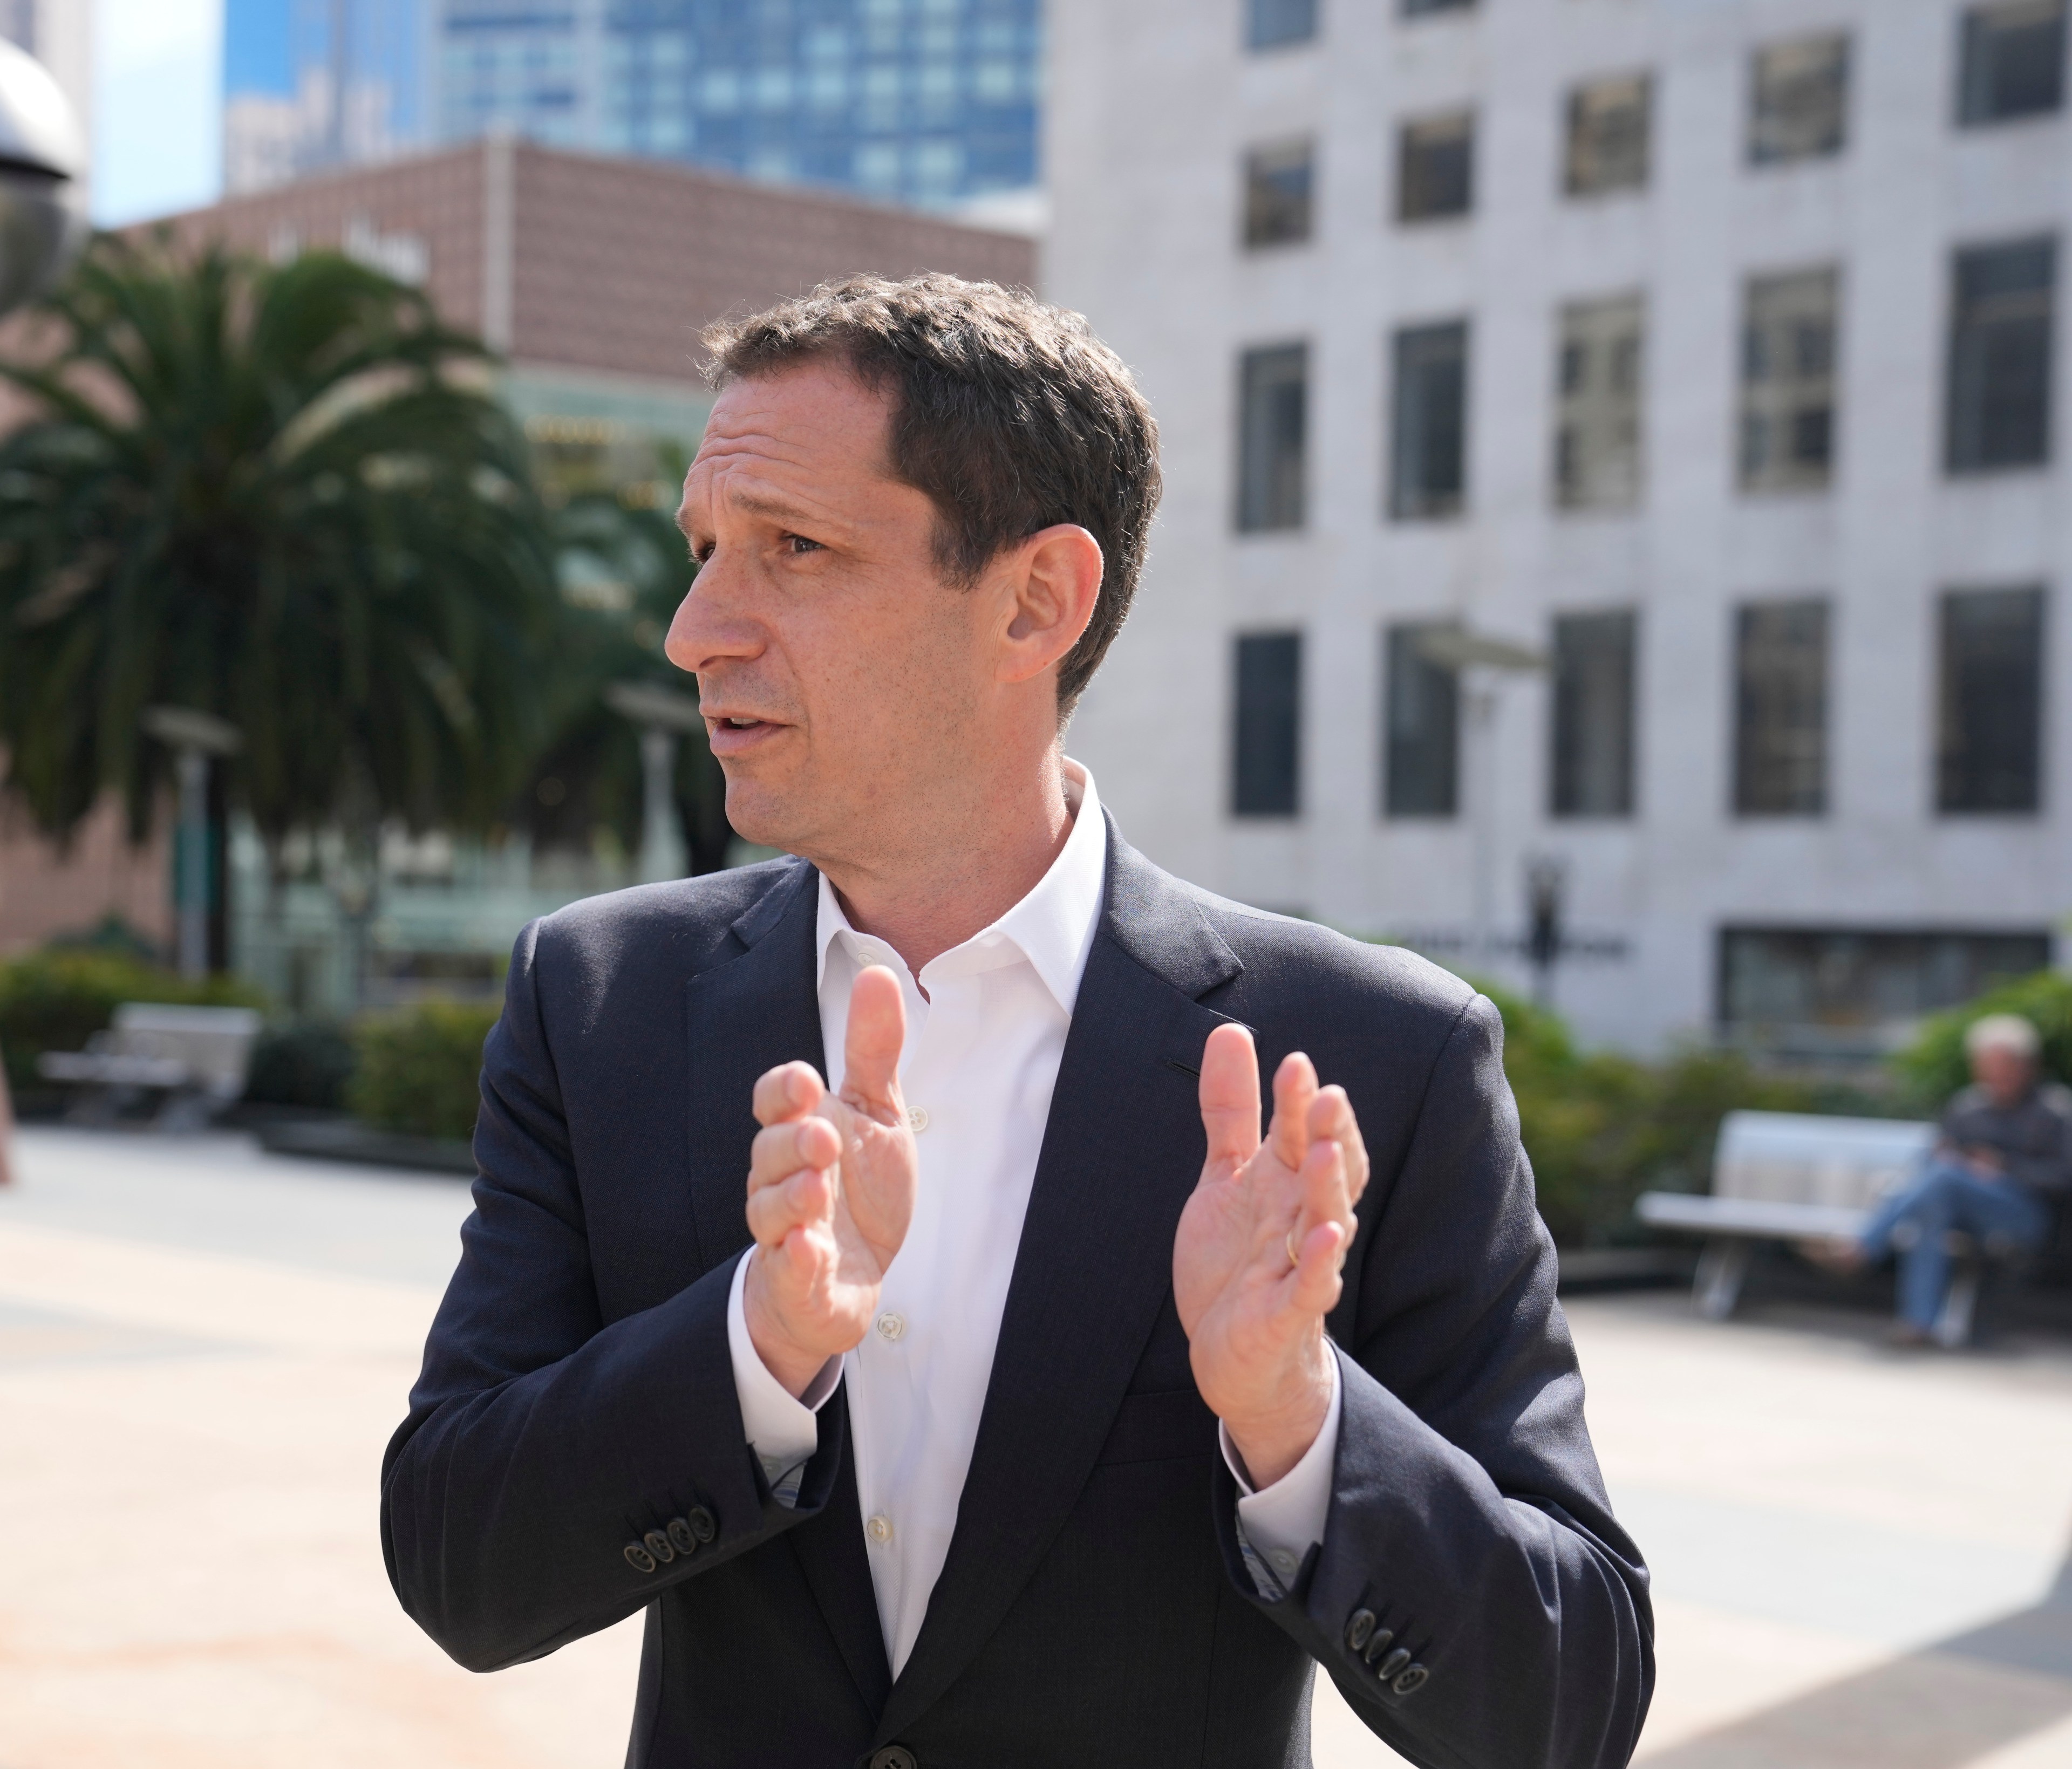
pixel 1468 1520
pixel 541 1441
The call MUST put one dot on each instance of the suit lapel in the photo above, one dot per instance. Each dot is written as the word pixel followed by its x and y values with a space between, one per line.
pixel 1120 1154
pixel 747 1015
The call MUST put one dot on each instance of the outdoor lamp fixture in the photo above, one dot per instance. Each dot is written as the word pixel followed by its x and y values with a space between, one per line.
pixel 1481 661
pixel 194 738
pixel 663 716
pixel 42 223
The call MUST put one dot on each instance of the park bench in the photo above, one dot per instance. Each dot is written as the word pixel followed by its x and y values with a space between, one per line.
pixel 196 1058
pixel 1791 1176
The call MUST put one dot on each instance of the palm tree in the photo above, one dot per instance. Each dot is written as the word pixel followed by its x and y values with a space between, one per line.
pixel 282 495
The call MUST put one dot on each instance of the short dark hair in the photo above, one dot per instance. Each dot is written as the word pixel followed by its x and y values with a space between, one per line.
pixel 1009 413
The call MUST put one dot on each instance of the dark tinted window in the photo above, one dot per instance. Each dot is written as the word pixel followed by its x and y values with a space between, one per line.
pixel 1988 751
pixel 1787 416
pixel 1799 101
pixel 1608 130
pixel 1837 979
pixel 1267 733
pixel 1781 710
pixel 1593 746
pixel 1428 461
pixel 1279 185
pixel 1435 168
pixel 1413 8
pixel 2013 61
pixel 1273 425
pixel 1420 721
pixel 1269 24
pixel 1998 393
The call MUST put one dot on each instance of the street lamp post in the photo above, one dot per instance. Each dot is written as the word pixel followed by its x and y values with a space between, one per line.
pixel 194 738
pixel 663 716
pixel 42 158
pixel 1483 663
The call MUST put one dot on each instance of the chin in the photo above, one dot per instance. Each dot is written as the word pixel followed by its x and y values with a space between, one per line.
pixel 759 816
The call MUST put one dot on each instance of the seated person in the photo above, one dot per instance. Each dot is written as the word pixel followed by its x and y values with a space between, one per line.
pixel 2006 1148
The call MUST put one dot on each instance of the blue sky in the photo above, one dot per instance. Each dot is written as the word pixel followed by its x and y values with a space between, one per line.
pixel 157 80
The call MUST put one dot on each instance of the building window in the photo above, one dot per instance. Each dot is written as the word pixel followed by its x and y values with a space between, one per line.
pixel 2013 61
pixel 1596 436
pixel 1787 439
pixel 1990 708
pixel 1435 168
pixel 1800 102
pixel 1427 468
pixel 1421 727
pixel 1608 125
pixel 1999 356
pixel 1279 184
pixel 1781 710
pixel 1272 429
pixel 1593 746
pixel 1266 752
pixel 1417 8
pixel 1271 23
pixel 1834 980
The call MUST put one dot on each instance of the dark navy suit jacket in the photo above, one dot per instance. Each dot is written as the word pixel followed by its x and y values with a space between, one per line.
pixel 575 1451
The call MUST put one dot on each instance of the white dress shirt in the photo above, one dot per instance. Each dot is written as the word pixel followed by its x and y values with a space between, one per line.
pixel 986 1025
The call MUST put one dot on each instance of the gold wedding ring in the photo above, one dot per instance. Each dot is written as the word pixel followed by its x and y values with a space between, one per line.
pixel 1294 1259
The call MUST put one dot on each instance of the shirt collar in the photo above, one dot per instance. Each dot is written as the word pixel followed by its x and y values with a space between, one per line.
pixel 1053 926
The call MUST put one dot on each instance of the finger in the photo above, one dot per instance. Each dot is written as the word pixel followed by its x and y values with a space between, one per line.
pixel 803 1201
pixel 1332 1117
pixel 1294 1088
pixel 1230 1095
pixel 1326 1196
pixel 787 1091
pixel 876 1035
pixel 1316 1285
pixel 782 1149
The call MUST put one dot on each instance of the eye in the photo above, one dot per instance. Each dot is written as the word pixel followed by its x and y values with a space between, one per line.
pixel 798 545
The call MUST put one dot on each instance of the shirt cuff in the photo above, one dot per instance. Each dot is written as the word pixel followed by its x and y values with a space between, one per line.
pixel 1280 1524
pixel 782 1431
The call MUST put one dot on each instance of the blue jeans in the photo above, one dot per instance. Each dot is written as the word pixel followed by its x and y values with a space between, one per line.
pixel 1915 1219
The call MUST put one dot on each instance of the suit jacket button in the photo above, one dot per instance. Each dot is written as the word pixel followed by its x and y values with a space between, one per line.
pixel 1383 1639
pixel 1390 1666
pixel 681 1533
pixel 1411 1680
pixel 704 1525
pixel 658 1545
pixel 1359 1629
pixel 638 1558
pixel 894 1756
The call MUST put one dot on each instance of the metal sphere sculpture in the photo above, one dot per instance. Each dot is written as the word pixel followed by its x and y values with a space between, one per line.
pixel 43 222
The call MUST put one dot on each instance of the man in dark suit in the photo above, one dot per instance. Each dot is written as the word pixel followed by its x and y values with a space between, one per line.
pixel 1005 1399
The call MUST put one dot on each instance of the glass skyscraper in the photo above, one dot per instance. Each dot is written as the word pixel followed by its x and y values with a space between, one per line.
pixel 928 102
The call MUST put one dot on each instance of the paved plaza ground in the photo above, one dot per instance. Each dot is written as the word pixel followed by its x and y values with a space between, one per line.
pixel 203 1351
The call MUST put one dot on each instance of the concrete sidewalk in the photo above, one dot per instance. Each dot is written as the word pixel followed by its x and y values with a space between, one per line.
pixel 203 1351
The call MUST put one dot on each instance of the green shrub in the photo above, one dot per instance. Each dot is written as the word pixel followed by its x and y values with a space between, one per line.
pixel 307 1063
pixel 57 999
pixel 418 1067
pixel 1934 1066
pixel 1600 1128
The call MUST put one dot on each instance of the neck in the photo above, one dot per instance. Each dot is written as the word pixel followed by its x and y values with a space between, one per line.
pixel 962 866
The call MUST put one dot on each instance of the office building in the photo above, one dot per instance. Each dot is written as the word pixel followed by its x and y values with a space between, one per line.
pixel 928 103
pixel 1613 442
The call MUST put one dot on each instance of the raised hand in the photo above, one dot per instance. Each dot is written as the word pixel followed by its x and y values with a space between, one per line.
pixel 830 1191
pixel 1256 1259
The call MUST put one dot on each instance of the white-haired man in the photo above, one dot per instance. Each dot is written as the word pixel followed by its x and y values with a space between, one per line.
pixel 2006 1148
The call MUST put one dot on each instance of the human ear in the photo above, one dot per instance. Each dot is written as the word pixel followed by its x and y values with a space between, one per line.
pixel 1055 582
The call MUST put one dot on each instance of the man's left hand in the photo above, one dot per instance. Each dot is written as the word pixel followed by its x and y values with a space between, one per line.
pixel 1257 1260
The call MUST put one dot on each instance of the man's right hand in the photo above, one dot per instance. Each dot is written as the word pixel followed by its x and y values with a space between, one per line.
pixel 831 1189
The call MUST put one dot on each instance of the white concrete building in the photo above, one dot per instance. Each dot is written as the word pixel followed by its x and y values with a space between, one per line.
pixel 1703 347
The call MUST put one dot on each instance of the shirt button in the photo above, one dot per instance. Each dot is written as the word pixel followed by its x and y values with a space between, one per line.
pixel 1283 1562
pixel 916 1118
pixel 891 1326
pixel 879 1529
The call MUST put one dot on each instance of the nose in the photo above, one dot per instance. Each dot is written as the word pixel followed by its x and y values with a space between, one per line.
pixel 710 627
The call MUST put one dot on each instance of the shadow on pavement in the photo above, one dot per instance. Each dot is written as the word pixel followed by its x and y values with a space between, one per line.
pixel 1939 1708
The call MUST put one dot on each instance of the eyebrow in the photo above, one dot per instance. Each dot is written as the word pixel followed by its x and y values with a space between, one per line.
pixel 761 503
